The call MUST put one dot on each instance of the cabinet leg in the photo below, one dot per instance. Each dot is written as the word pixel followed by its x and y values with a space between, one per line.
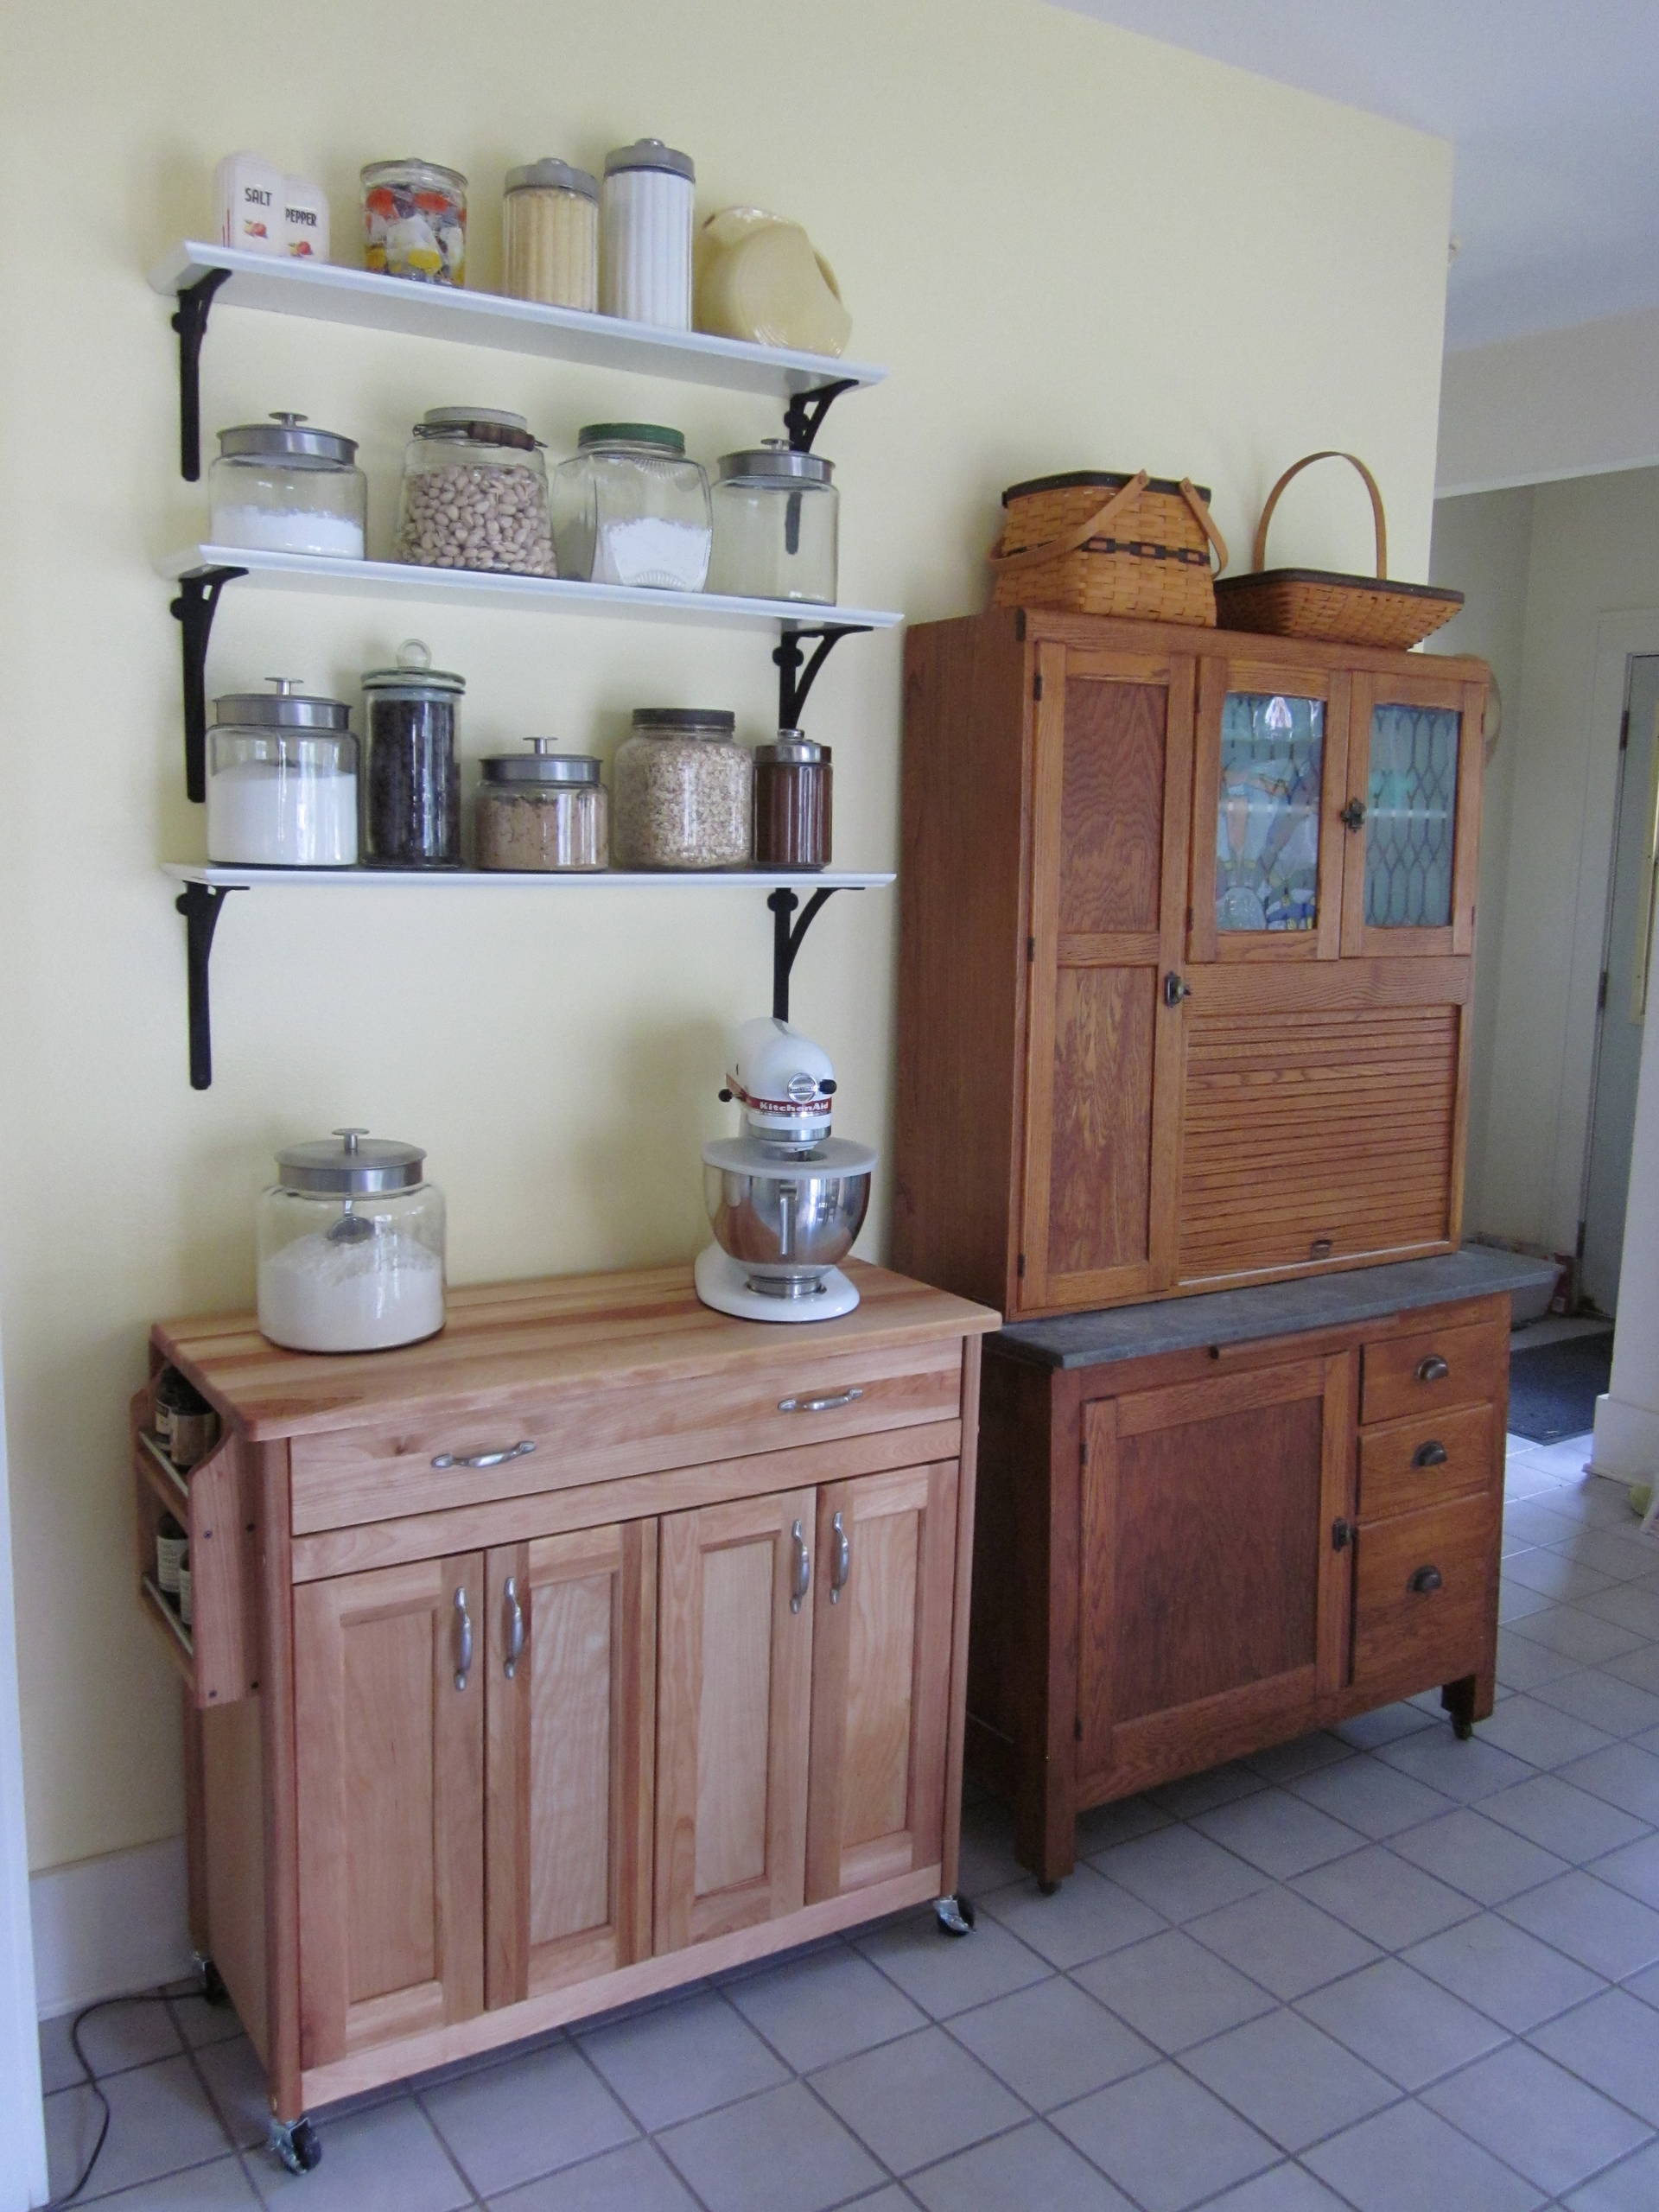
pixel 1045 1834
pixel 295 2146
pixel 1468 1700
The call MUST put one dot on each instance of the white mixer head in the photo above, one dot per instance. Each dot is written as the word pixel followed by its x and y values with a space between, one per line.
pixel 784 1082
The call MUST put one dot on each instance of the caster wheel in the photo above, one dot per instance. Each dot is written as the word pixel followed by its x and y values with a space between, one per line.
pixel 214 1991
pixel 954 1915
pixel 1463 1730
pixel 1046 1889
pixel 298 2148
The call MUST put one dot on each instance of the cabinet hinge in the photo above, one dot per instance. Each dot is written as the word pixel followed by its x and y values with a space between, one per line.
pixel 1020 626
pixel 1037 685
pixel 1020 1267
pixel 1077 1729
pixel 1601 992
pixel 1624 731
pixel 1578 1246
pixel 1031 949
pixel 1342 1535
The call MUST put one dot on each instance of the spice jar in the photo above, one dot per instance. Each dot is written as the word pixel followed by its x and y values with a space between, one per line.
pixel 549 222
pixel 282 780
pixel 351 1246
pixel 630 508
pixel 287 489
pixel 186 1426
pixel 172 1543
pixel 646 216
pixel 187 1613
pixel 542 810
pixel 412 817
pixel 415 221
pixel 681 784
pixel 775 517
pixel 791 803
pixel 475 494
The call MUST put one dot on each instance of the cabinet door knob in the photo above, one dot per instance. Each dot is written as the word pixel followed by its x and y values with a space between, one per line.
pixel 1425 1581
pixel 801 1579
pixel 463 1639
pixel 1432 1369
pixel 821 1405
pixel 841 1561
pixel 515 1635
pixel 486 1459
pixel 1429 1455
pixel 1353 815
pixel 1176 987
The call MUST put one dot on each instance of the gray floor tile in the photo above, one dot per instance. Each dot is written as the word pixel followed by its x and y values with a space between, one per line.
pixel 1305 1754
pixel 1556 1573
pixel 1203 1792
pixel 1625 1775
pixel 944 1976
pixel 221 2186
pixel 1279 1832
pixel 1087 1916
pixel 1164 2139
pixel 201 2023
pixel 1534 1519
pixel 682 2060
pixel 1502 1970
pixel 123 2036
pixel 1537 2117
pixel 1384 1897
pixel 780 2151
pixel 1630 2186
pixel 1524 1665
pixel 1459 1770
pixel 1289 2079
pixel 1541 1734
pixel 1120 1822
pixel 1515 1601
pixel 1282 2189
pixel 1372 1796
pixel 636 2179
pixel 1403 2024
pixel 917 2099
pixel 531 2113
pixel 1477 1855
pixel 1564 1819
pixel 1604 1928
pixel 1179 1872
pixel 1030 2171
pixel 1052 2043
pixel 386 2159
pixel 1366 1732
pixel 1628 1605
pixel 1640 1667
pixel 1409 2160
pixel 1634 1869
pixel 1594 1694
pixel 1646 1986
pixel 1577 1635
pixel 236 2083
pixel 1282 1942
pixel 1173 1991
pixel 1612 2043
pixel 1611 1552
pixel 816 2010
pixel 160 2118
pixel 987 1860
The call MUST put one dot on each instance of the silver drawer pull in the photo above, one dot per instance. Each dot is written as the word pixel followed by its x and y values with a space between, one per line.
pixel 515 1637
pixel 801 1580
pixel 820 1405
pixel 463 1639
pixel 840 1564
pixel 484 1458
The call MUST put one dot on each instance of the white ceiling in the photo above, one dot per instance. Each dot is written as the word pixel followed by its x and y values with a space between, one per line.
pixel 1553 106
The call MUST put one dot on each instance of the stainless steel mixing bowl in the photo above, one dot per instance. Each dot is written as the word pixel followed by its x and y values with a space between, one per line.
pixel 781 1226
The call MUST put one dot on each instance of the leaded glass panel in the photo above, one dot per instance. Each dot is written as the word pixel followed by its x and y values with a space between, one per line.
pixel 1411 814
pixel 1268 812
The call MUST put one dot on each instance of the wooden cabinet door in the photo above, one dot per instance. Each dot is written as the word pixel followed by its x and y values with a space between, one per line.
pixel 735 1675
pixel 389 1715
pixel 881 1677
pixel 571 1746
pixel 1212 1608
pixel 1413 768
pixel 1111 786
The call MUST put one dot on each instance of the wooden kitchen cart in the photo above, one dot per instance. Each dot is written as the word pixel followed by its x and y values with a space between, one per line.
pixel 597 1643
pixel 1212 1524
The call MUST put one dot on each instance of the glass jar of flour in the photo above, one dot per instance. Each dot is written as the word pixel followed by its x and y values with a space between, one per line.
pixel 287 488
pixel 351 1246
pixel 282 780
pixel 629 507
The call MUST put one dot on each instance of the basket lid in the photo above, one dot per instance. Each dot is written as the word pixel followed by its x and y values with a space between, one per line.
pixel 1100 479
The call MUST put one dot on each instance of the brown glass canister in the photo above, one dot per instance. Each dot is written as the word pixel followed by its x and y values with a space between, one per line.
pixel 791 803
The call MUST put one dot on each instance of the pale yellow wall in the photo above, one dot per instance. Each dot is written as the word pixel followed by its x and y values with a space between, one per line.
pixel 1072 246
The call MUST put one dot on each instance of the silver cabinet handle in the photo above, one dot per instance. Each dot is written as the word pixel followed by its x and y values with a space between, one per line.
pixel 463 1639
pixel 840 1564
pixel 484 1458
pixel 515 1627
pixel 802 1578
pixel 820 1405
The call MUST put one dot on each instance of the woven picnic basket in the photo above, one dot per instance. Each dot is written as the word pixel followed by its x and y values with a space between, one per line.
pixel 1319 603
pixel 1098 544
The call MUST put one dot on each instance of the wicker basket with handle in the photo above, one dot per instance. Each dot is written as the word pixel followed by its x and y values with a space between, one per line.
pixel 1337 609
pixel 1097 543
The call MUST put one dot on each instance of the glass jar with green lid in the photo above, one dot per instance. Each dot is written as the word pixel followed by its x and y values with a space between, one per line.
pixel 542 810
pixel 630 507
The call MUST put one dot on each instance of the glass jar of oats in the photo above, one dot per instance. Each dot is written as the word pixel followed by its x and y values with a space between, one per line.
pixel 682 787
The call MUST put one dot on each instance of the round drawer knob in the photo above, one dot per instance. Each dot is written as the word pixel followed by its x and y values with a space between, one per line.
pixel 1432 1369
pixel 1425 1581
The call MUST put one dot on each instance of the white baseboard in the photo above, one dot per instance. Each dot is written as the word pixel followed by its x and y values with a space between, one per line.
pixel 108 1925
pixel 1627 1440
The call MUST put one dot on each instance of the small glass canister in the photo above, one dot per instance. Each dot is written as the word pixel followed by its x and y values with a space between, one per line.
pixel 415 221
pixel 645 215
pixel 630 508
pixel 412 817
pixel 776 525
pixel 475 495
pixel 282 780
pixel 792 803
pixel 287 489
pixel 351 1242
pixel 542 810
pixel 683 790
pixel 549 222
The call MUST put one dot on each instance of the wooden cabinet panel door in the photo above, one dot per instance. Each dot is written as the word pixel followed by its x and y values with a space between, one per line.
pixel 572 1717
pixel 733 1707
pixel 881 1677
pixel 1111 790
pixel 389 1715
pixel 1415 759
pixel 1212 1603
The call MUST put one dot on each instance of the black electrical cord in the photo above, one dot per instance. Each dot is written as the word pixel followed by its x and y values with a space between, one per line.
pixel 103 2004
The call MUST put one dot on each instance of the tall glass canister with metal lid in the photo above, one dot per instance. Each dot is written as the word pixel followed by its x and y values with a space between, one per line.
pixel 282 780
pixel 284 487
pixel 776 522
pixel 351 1241
pixel 412 815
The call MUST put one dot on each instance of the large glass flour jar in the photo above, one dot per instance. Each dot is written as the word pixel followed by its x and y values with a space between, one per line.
pixel 682 791
pixel 776 525
pixel 282 780
pixel 351 1246
pixel 287 488
pixel 630 508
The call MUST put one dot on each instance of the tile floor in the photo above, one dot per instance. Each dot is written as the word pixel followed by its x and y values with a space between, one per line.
pixel 1378 1970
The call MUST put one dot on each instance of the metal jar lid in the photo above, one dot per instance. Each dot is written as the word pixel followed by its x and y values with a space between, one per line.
pixel 287 442
pixel 551 175
pixel 354 1165
pixel 651 154
pixel 376 172
pixel 631 434
pixel 414 674
pixel 490 425
pixel 287 708
pixel 689 722
pixel 543 766
pixel 772 462
pixel 791 746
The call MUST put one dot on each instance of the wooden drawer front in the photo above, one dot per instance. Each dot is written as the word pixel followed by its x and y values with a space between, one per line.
pixel 1407 1464
pixel 1404 1622
pixel 600 1434
pixel 1432 1368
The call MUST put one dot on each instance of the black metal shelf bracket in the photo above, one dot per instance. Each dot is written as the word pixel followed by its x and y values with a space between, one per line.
pixel 190 320
pixel 199 904
pixel 804 417
pixel 194 611
pixel 797 671
pixel 786 935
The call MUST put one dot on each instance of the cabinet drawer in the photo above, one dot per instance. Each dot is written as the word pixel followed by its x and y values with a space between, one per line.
pixel 602 1434
pixel 1425 1459
pixel 1432 1368
pixel 1422 1589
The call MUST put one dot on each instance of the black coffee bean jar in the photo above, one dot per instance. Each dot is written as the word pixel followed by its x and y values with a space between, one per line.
pixel 412 804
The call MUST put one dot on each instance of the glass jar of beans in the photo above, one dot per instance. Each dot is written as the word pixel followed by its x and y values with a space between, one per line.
pixel 475 494
pixel 411 813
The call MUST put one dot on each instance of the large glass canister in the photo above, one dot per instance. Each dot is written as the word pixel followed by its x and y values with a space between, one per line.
pixel 776 525
pixel 282 780
pixel 549 222
pixel 644 270
pixel 415 221
pixel 412 813
pixel 542 810
pixel 792 800
pixel 351 1246
pixel 475 494
pixel 630 508
pixel 682 791
pixel 287 488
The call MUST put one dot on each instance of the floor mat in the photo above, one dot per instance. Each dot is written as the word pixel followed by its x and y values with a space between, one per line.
pixel 1554 1387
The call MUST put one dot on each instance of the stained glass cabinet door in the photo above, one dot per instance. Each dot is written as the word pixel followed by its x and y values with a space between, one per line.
pixel 1411 815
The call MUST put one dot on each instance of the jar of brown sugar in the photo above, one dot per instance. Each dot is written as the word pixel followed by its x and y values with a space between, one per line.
pixel 542 810
pixel 791 803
